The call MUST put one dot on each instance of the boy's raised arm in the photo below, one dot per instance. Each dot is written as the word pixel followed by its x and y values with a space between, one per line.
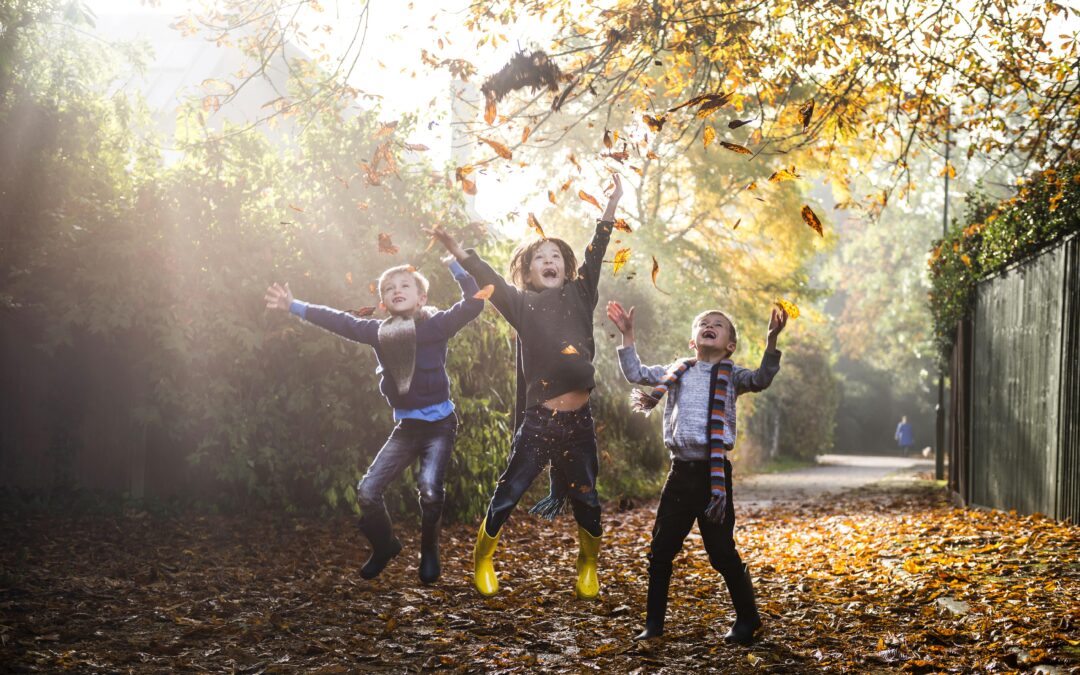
pixel 465 310
pixel 747 380
pixel 629 363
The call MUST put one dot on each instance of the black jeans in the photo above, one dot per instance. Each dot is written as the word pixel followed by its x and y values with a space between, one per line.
pixel 684 498
pixel 567 441
pixel 431 443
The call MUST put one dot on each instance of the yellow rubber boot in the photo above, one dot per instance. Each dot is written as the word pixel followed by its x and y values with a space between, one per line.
pixel 588 584
pixel 484 577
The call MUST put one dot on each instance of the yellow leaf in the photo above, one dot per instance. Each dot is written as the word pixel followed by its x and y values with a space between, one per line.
pixel 621 258
pixel 485 292
pixel 947 171
pixel 569 349
pixel 783 174
pixel 790 307
pixel 709 135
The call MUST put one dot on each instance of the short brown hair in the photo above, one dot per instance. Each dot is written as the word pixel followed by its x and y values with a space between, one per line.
pixel 709 312
pixel 523 255
pixel 421 280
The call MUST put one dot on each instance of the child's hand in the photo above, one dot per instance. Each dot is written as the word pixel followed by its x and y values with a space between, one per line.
pixel 278 297
pixel 447 240
pixel 622 319
pixel 777 321
pixel 613 200
pixel 616 194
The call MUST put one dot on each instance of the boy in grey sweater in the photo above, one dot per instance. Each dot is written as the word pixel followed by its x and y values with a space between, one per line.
pixel 699 431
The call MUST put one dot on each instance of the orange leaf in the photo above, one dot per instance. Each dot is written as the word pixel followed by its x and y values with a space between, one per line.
pixel 569 350
pixel 811 219
pixel 386 245
pixel 385 130
pixel 535 224
pixel 734 147
pixel 573 160
pixel 566 186
pixel 622 225
pixel 468 186
pixel 783 174
pixel 551 196
pixel 709 135
pixel 621 258
pixel 485 292
pixel 652 155
pixel 362 312
pixel 525 134
pixel 489 110
pixel 585 196
pixel 296 208
pixel 499 148
pixel 416 147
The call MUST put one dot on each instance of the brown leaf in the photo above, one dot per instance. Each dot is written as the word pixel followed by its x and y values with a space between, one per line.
pixel 386 245
pixel 566 186
pixel 607 139
pixel 416 147
pixel 499 148
pixel 622 225
pixel 362 312
pixel 551 196
pixel 485 292
pixel 468 186
pixel 811 219
pixel 735 124
pixel 736 225
pixel 655 273
pixel 490 110
pixel 655 123
pixel 573 160
pixel 652 155
pixel 535 224
pixel 385 130
pixel 735 147
pixel 806 110
pixel 585 196
pixel 525 134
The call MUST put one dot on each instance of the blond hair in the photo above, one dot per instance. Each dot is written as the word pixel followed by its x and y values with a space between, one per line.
pixel 710 312
pixel 421 280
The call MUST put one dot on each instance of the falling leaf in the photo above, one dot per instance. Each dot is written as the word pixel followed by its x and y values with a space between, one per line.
pixel 652 155
pixel 468 186
pixel 811 219
pixel 525 134
pixel 296 208
pixel 607 139
pixel 385 130
pixel 621 258
pixel 535 224
pixel 569 349
pixel 806 110
pixel 373 288
pixel 783 174
pixel 964 258
pixel 499 148
pixel 622 225
pixel 585 196
pixel 735 124
pixel 735 147
pixel 566 186
pixel 655 123
pixel 637 170
pixel 736 225
pixel 348 278
pixel 573 160
pixel 709 135
pixel 948 171
pixel 416 147
pixel 362 312
pixel 490 111
pixel 551 196
pixel 386 245
pixel 485 292
pixel 751 186
pixel 790 307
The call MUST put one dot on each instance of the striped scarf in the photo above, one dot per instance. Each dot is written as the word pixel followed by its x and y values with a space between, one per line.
pixel 721 431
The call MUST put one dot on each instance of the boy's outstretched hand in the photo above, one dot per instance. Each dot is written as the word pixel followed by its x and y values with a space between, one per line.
pixel 613 200
pixel 278 297
pixel 623 320
pixel 777 322
pixel 447 240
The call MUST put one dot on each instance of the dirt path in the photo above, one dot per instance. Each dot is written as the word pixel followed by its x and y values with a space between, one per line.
pixel 834 473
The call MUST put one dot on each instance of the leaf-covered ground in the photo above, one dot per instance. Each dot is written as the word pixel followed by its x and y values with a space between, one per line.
pixel 877 580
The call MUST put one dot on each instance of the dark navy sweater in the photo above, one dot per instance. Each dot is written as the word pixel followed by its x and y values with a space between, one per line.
pixel 430 385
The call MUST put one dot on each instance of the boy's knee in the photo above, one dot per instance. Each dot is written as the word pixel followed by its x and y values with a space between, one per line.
pixel 431 494
pixel 368 495
pixel 588 499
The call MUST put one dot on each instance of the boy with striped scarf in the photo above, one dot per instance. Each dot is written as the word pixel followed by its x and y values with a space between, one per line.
pixel 699 431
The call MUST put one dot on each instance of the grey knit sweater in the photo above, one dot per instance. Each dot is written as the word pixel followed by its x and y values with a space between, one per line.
pixel 686 407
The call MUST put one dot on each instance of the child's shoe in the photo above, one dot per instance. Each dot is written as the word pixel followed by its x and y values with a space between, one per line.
pixel 384 545
pixel 588 583
pixel 430 569
pixel 747 619
pixel 655 607
pixel 484 577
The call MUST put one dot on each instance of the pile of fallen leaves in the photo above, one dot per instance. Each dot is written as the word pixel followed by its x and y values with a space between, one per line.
pixel 877 580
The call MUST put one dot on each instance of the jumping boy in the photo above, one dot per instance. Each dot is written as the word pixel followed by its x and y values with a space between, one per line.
pixel 699 431
pixel 411 350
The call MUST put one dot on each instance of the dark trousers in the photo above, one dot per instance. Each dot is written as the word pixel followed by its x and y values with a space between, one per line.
pixel 429 442
pixel 567 441
pixel 684 498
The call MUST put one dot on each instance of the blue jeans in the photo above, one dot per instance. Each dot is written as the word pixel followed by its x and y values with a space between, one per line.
pixel 411 440
pixel 567 441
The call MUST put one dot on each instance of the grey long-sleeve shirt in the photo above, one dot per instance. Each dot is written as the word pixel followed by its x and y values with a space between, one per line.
pixel 686 406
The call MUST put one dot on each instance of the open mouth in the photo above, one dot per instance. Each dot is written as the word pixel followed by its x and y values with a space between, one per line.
pixel 549 274
pixel 397 299
pixel 708 334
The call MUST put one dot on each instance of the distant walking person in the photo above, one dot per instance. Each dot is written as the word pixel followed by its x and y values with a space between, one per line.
pixel 905 436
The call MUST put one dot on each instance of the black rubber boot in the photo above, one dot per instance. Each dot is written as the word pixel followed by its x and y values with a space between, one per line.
pixel 655 607
pixel 384 545
pixel 430 522
pixel 747 619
